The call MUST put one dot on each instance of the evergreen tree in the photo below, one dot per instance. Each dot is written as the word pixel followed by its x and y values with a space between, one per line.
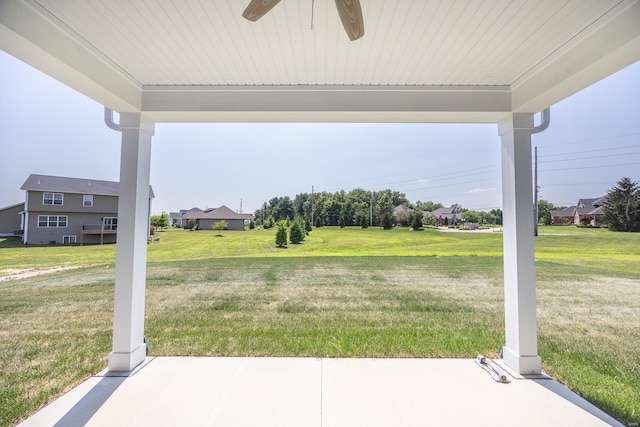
pixel 386 220
pixel 416 220
pixel 281 234
pixel 297 231
pixel 622 208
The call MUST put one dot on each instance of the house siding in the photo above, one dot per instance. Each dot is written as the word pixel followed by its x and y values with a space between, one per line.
pixel 232 224
pixel 10 219
pixel 78 215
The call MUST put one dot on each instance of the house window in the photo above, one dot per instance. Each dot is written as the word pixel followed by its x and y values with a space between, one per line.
pixel 110 222
pixel 52 199
pixel 68 240
pixel 52 221
pixel 87 200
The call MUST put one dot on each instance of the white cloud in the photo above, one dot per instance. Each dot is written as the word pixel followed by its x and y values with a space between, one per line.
pixel 483 190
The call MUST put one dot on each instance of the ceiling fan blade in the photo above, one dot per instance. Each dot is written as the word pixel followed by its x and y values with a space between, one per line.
pixel 258 8
pixel 351 17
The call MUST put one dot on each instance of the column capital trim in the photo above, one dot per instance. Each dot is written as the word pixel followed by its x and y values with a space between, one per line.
pixel 515 121
pixel 137 122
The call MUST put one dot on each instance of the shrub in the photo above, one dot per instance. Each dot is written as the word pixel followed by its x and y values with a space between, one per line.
pixel 386 221
pixel 281 234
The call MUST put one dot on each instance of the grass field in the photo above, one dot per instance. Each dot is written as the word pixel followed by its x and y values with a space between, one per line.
pixel 342 293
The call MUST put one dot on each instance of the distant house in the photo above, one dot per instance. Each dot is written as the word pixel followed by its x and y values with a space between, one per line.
pixel 562 217
pixel 589 210
pixel 444 216
pixel 206 218
pixel 11 220
pixel 180 219
pixel 61 210
pixel 401 214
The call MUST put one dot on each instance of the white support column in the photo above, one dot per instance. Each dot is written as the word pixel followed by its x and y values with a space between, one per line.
pixel 520 352
pixel 129 350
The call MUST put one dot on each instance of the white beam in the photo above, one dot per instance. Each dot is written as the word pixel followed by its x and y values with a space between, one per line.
pixel 449 104
pixel 129 349
pixel 521 349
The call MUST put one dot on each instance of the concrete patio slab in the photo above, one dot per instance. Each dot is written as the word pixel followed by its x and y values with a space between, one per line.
pixel 172 391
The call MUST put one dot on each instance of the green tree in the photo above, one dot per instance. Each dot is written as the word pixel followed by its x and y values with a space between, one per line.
pixel 471 216
pixel 495 216
pixel 544 211
pixel 416 220
pixel 622 208
pixel 428 206
pixel 154 220
pixel 269 222
pixel 219 226
pixel 384 202
pixel 160 221
pixel 297 231
pixel 281 234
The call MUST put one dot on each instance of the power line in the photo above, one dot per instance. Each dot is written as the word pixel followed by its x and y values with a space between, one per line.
pixel 590 167
pixel 591 157
pixel 591 151
pixel 581 141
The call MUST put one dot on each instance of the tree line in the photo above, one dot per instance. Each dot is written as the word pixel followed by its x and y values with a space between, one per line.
pixel 357 207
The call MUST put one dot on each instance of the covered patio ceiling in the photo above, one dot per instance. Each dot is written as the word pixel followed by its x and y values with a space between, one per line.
pixel 419 61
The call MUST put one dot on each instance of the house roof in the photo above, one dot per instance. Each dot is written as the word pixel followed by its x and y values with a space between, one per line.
pixel 443 211
pixel 436 61
pixel 221 213
pixel 402 208
pixel 224 212
pixel 62 184
pixel 12 206
pixel 564 212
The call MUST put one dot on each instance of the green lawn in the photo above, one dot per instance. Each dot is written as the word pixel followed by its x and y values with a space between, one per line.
pixel 342 293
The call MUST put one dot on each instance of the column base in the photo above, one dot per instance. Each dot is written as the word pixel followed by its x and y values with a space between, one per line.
pixel 126 362
pixel 524 365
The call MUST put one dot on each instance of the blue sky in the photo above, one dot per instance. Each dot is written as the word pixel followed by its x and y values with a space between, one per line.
pixel 48 128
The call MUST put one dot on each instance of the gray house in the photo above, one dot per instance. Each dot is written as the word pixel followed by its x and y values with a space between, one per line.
pixel 444 216
pixel 206 218
pixel 11 219
pixel 61 210
pixel 589 210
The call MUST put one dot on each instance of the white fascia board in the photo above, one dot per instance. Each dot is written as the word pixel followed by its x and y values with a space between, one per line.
pixel 32 35
pixel 485 104
pixel 608 46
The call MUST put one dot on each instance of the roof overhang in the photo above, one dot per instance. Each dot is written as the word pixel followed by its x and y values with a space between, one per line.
pixel 49 39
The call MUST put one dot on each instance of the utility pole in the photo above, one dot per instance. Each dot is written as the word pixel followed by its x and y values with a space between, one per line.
pixel 535 192
pixel 240 205
pixel 312 207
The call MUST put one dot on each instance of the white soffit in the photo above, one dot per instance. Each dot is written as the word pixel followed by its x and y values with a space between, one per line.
pixel 420 60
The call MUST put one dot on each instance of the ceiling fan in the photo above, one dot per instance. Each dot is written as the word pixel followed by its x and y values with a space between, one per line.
pixel 349 11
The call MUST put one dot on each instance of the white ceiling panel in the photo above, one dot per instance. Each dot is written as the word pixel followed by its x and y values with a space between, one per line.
pixel 433 42
pixel 540 51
